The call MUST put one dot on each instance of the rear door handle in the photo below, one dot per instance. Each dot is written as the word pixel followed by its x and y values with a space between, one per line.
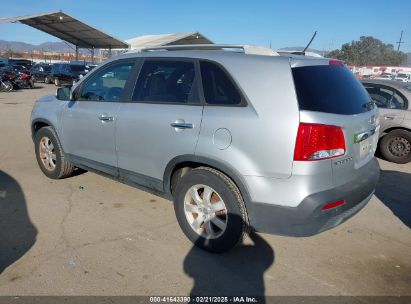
pixel 181 125
pixel 389 117
pixel 105 117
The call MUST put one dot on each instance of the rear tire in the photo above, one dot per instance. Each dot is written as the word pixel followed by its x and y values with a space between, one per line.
pixel 396 146
pixel 47 80
pixel 217 222
pixel 57 82
pixel 50 156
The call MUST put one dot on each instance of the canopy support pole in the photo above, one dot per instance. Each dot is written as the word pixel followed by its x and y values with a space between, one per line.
pixel 76 53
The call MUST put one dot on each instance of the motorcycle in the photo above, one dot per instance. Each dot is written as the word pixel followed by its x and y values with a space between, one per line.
pixel 23 80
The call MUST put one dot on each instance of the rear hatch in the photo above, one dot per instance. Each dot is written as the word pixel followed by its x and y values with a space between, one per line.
pixel 329 94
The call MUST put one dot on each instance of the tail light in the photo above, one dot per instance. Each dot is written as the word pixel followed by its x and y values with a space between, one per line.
pixel 317 142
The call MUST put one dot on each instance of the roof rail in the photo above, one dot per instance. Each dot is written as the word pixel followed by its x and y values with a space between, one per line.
pixel 246 49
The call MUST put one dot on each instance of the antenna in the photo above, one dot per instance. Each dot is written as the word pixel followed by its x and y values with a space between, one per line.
pixel 309 43
pixel 399 42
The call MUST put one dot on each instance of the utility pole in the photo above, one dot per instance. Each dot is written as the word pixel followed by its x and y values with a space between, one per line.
pixel 399 42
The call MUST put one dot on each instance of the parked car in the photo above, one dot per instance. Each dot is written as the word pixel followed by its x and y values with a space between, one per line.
pixel 403 77
pixel 385 76
pixel 66 73
pixel 41 72
pixel 393 99
pixel 281 144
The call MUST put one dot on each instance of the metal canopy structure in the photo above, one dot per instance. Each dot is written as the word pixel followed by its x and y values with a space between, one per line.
pixel 69 29
pixel 149 41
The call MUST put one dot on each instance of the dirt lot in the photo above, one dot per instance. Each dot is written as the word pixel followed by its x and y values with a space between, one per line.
pixel 90 235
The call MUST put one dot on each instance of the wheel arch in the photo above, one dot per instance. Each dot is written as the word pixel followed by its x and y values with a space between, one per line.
pixel 39 123
pixel 386 131
pixel 193 161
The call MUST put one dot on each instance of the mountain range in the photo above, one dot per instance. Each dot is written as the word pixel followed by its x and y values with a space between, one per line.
pixel 17 46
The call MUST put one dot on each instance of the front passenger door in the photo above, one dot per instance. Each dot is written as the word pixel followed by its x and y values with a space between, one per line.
pixel 89 122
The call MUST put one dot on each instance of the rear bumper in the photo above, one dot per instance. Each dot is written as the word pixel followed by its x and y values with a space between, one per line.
pixel 308 218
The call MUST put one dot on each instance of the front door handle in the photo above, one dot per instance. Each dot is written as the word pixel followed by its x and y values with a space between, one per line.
pixel 105 117
pixel 181 125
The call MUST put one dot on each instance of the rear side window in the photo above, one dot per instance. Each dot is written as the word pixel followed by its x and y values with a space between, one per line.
pixel 167 81
pixel 385 97
pixel 329 89
pixel 76 68
pixel 217 86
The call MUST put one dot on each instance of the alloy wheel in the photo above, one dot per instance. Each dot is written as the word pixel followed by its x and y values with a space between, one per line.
pixel 47 153
pixel 205 211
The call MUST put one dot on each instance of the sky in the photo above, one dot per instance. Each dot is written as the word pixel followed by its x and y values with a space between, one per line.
pixel 259 22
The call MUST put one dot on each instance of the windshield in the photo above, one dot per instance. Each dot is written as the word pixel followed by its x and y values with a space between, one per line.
pixel 77 68
pixel 402 75
pixel 329 89
pixel 46 68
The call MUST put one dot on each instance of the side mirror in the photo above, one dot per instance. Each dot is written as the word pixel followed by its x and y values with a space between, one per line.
pixel 64 93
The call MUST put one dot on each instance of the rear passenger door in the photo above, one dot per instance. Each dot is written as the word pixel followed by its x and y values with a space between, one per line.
pixel 161 121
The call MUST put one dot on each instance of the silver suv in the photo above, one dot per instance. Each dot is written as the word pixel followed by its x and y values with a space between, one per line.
pixel 238 138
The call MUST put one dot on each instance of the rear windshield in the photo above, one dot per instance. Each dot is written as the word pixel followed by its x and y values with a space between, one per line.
pixel 329 89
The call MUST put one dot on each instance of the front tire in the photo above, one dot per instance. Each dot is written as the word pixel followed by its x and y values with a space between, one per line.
pixel 57 82
pixel 7 86
pixel 210 210
pixel 50 156
pixel 396 146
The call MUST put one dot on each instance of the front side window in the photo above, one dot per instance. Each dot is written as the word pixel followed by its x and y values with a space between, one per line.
pixel 108 83
pixel 385 97
pixel 217 86
pixel 168 81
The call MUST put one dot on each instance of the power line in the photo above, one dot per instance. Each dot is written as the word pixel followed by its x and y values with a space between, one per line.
pixel 400 41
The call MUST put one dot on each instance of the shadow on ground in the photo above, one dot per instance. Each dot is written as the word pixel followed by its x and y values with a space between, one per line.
pixel 238 272
pixel 394 190
pixel 17 233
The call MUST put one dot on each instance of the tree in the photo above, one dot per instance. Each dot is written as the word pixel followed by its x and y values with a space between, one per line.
pixel 368 51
